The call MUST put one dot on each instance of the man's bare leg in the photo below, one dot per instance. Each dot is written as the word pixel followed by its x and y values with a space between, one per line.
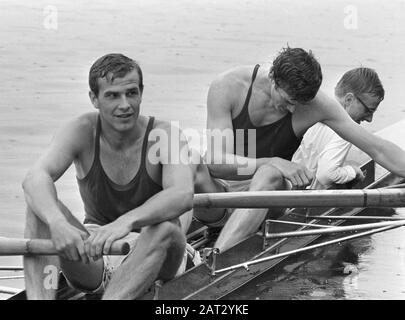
pixel 157 255
pixel 185 221
pixel 204 183
pixel 244 222
pixel 37 282
pixel 35 266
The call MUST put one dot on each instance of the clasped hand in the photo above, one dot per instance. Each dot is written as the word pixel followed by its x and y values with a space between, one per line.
pixel 74 244
pixel 102 238
pixel 298 175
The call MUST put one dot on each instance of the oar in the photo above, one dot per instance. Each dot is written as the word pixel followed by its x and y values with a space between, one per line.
pixel 354 218
pixel 11 268
pixel 9 290
pixel 16 247
pixel 401 185
pixel 335 229
pixel 302 199
pixel 300 223
pixel 11 277
pixel 319 245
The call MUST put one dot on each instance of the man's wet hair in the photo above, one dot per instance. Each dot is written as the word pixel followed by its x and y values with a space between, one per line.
pixel 298 73
pixel 111 66
pixel 360 81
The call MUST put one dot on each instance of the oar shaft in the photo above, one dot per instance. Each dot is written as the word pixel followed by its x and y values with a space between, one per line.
pixel 355 218
pixel 16 247
pixel 303 199
pixel 300 224
pixel 11 268
pixel 9 290
pixel 288 253
pixel 334 230
pixel 11 277
pixel 401 185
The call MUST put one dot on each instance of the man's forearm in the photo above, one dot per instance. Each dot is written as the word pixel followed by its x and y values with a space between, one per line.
pixel 235 167
pixel 164 206
pixel 41 197
pixel 391 157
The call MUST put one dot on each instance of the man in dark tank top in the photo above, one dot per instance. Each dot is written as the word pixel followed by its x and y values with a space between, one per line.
pixel 256 117
pixel 127 192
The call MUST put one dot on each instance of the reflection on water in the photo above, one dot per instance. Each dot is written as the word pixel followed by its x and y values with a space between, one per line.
pixel 372 267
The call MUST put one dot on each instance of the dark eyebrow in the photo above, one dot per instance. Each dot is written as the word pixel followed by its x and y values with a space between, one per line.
pixel 110 91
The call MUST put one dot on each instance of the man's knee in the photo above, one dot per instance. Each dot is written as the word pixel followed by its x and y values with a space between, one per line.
pixel 267 178
pixel 202 179
pixel 166 233
pixel 199 176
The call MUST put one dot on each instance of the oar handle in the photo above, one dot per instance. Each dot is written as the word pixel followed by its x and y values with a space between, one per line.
pixel 17 247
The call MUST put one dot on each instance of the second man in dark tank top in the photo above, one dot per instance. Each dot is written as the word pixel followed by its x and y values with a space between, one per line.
pixel 259 115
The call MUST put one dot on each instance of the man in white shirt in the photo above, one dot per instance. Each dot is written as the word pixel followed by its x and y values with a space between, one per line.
pixel 322 150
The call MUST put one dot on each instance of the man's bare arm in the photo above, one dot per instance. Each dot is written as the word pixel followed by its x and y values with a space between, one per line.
pixel 40 191
pixel 38 185
pixel 221 161
pixel 384 152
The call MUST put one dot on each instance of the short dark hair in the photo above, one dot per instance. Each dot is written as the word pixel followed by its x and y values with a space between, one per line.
pixel 298 73
pixel 359 81
pixel 115 64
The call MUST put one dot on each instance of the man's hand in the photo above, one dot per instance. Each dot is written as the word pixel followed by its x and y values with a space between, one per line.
pixel 359 173
pixel 101 239
pixel 68 240
pixel 298 175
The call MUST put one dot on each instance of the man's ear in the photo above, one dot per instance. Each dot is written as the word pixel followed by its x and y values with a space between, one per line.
pixel 93 99
pixel 348 99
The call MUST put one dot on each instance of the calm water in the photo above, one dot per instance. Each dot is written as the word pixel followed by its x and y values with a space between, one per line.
pixel 182 45
pixel 372 267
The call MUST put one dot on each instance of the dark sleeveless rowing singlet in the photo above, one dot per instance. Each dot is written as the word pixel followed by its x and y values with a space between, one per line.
pixel 104 200
pixel 276 139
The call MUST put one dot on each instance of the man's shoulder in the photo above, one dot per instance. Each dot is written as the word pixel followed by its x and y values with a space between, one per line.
pixel 228 87
pixel 87 120
pixel 326 106
pixel 80 129
pixel 171 128
pixel 234 77
pixel 161 124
